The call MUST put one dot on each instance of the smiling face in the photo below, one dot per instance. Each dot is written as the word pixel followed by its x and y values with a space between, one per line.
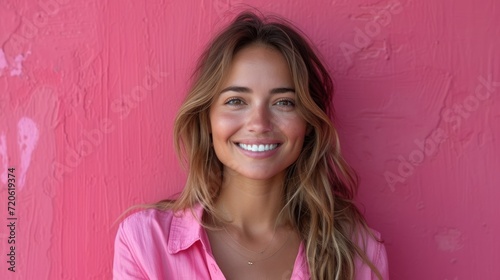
pixel 257 131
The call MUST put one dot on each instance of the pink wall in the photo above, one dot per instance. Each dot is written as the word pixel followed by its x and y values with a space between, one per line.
pixel 89 90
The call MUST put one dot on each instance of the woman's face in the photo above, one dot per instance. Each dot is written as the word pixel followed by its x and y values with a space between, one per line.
pixel 256 128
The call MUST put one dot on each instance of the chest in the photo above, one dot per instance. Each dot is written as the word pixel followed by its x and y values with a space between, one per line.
pixel 237 262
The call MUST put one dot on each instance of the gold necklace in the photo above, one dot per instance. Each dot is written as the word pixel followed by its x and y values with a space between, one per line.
pixel 244 247
pixel 251 261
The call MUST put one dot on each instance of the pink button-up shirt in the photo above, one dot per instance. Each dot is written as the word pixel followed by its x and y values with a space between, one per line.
pixel 154 244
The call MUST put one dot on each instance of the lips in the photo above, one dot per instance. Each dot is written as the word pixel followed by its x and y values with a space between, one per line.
pixel 258 147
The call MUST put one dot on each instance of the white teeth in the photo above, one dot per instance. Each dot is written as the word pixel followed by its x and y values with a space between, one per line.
pixel 258 148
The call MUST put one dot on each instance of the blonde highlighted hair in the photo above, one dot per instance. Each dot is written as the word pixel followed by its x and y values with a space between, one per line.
pixel 319 187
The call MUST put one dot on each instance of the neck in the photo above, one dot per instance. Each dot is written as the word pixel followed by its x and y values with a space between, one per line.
pixel 252 206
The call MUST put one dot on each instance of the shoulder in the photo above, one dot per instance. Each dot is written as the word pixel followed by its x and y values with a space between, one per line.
pixel 143 226
pixel 138 235
pixel 147 217
pixel 153 225
pixel 374 248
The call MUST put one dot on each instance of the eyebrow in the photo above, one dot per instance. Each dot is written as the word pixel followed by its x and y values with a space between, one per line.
pixel 248 90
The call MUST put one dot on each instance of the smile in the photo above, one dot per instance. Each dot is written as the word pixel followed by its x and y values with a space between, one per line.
pixel 258 148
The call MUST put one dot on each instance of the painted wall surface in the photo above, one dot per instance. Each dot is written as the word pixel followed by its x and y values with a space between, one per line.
pixel 89 91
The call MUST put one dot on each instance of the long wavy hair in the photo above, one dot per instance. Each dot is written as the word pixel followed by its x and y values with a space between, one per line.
pixel 319 186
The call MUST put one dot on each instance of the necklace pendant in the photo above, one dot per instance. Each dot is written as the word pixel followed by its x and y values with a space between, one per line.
pixel 250 263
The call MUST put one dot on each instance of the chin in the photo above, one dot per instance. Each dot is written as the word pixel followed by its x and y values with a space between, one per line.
pixel 261 175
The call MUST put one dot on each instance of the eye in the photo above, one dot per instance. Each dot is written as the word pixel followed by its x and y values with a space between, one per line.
pixel 234 101
pixel 285 103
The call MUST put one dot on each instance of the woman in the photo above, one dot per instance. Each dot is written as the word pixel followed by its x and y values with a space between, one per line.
pixel 268 194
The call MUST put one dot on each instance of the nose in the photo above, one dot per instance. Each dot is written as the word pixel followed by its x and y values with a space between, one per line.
pixel 259 119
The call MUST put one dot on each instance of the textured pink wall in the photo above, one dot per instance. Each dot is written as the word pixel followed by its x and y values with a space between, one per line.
pixel 89 90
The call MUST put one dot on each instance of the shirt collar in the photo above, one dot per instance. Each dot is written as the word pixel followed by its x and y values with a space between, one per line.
pixel 186 229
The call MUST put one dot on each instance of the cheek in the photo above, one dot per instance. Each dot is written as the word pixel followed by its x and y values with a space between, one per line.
pixel 295 128
pixel 223 126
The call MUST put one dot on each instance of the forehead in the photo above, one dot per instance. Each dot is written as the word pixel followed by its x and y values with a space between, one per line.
pixel 258 62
